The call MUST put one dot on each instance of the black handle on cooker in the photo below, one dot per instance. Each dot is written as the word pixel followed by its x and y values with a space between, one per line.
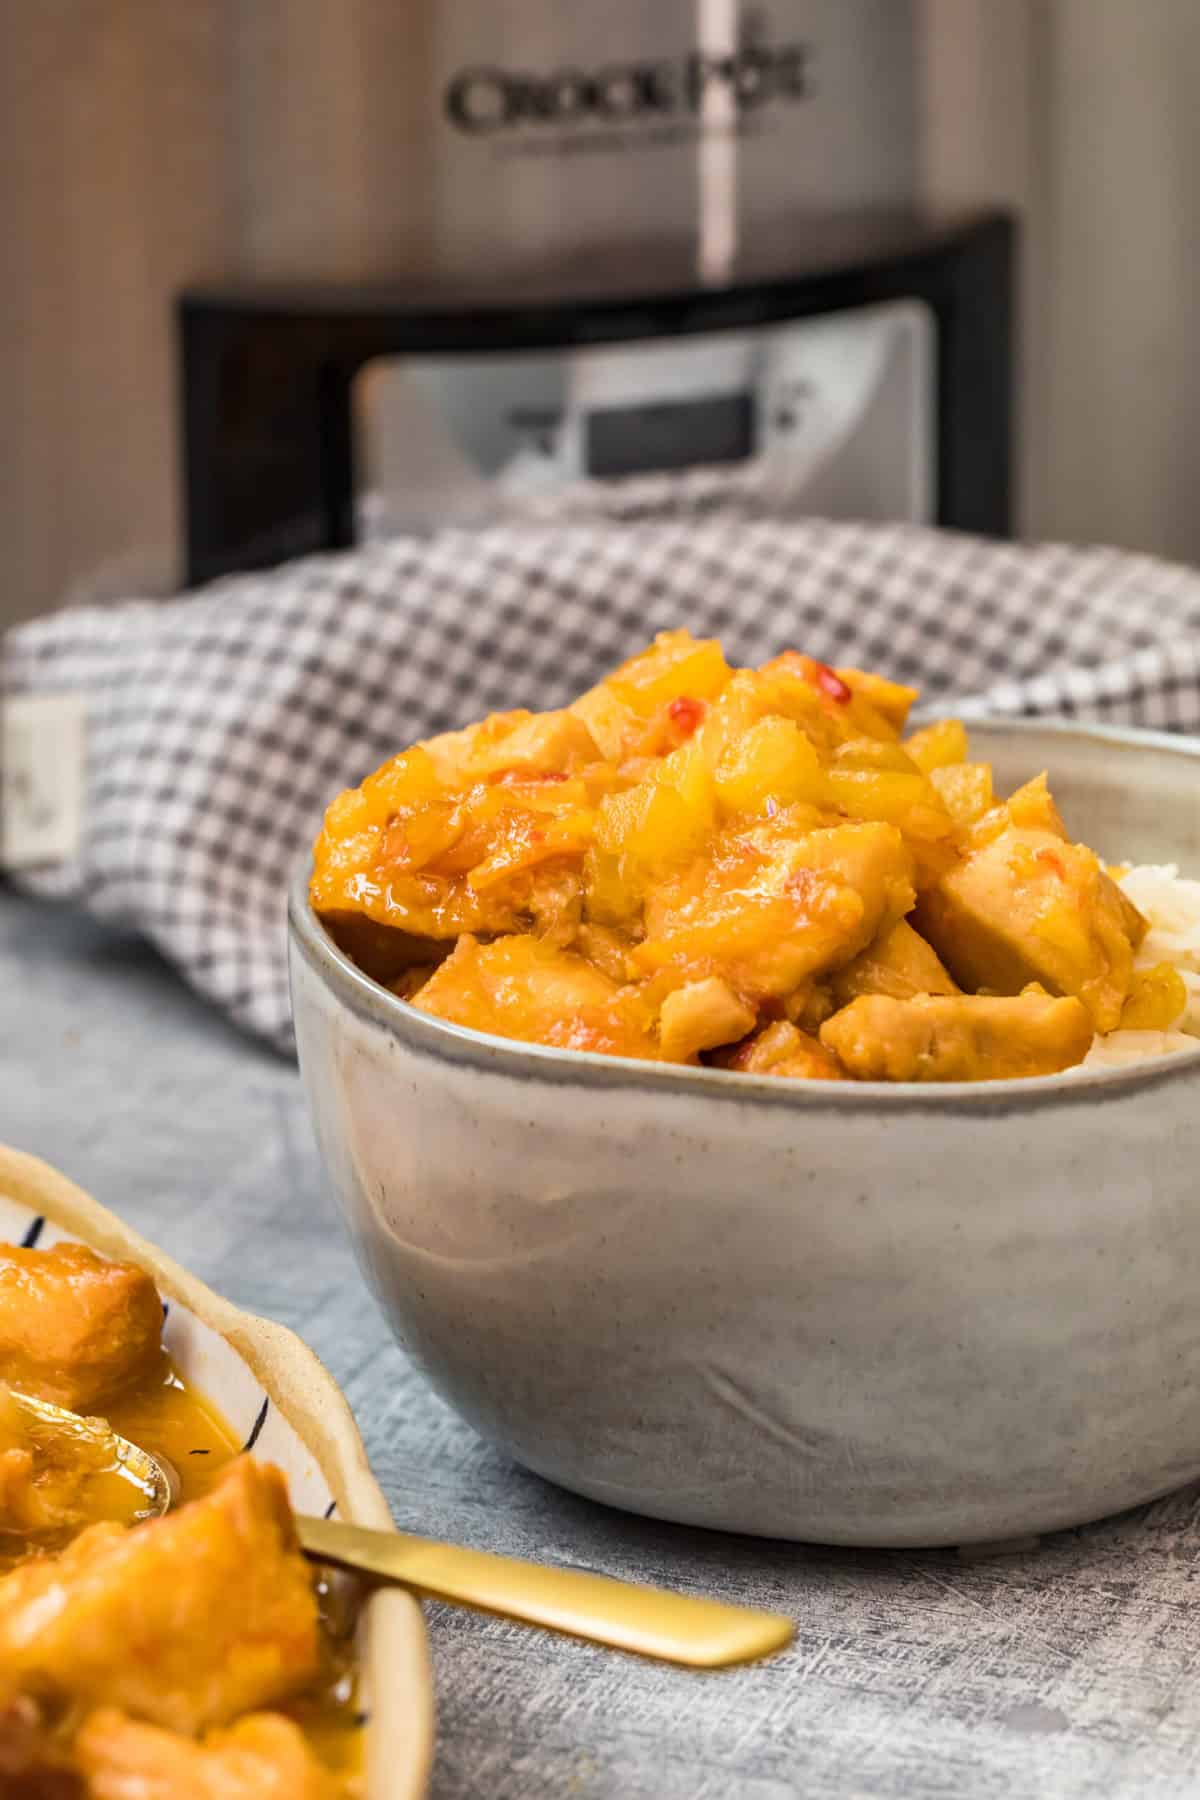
pixel 267 373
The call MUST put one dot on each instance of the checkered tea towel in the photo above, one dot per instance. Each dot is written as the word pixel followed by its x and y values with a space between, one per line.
pixel 219 725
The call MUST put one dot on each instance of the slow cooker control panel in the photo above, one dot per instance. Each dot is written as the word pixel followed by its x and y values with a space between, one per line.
pixel 836 413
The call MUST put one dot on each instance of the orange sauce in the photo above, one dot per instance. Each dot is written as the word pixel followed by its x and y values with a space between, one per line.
pixel 167 1417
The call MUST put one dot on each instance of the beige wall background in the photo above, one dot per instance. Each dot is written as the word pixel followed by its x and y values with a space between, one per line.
pixel 1081 114
pixel 146 144
pixel 142 146
pixel 113 190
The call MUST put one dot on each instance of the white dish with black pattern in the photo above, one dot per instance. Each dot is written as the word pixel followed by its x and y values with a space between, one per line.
pixel 287 1409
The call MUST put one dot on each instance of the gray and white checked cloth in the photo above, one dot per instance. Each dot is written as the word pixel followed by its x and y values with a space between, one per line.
pixel 221 723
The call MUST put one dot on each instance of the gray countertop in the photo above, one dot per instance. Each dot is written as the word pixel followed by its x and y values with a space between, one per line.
pixel 1072 1670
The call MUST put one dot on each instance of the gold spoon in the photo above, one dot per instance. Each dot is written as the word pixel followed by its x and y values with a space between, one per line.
pixel 116 1480
pixel 703 1634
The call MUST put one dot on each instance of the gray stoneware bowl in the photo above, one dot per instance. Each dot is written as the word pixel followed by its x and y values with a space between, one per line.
pixel 855 1315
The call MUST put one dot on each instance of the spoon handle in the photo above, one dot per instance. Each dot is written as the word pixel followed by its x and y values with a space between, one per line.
pixel 704 1634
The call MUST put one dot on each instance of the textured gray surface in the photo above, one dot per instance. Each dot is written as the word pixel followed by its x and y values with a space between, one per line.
pixel 1070 1671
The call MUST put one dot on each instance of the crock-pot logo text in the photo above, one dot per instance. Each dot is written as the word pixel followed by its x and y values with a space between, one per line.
pixel 484 100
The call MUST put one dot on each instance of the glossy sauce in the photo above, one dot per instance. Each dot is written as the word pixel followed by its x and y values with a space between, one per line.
pixel 169 1418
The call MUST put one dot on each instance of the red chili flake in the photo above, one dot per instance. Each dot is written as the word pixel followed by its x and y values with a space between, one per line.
pixel 1052 860
pixel 831 683
pixel 686 714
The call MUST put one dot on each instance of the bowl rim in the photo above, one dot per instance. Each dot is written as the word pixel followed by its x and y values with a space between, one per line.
pixel 459 1044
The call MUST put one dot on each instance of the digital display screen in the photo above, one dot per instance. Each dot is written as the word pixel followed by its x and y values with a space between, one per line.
pixel 672 434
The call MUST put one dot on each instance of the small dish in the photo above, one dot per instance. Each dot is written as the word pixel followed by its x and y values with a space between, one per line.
pixel 854 1313
pixel 286 1406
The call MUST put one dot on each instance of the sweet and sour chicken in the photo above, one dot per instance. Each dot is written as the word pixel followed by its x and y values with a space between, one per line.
pixel 160 1658
pixel 145 1619
pixel 756 869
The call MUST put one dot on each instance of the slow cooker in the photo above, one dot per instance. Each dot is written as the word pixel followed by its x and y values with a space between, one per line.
pixel 620 242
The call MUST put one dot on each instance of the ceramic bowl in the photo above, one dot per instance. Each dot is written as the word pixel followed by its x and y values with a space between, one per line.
pixel 861 1314
pixel 270 1387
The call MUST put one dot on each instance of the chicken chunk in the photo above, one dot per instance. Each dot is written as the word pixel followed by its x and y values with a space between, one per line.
pixel 1027 906
pixel 899 963
pixel 772 907
pixel 782 1049
pixel 519 987
pixel 959 1037
pixel 74 1328
pixel 186 1621
pixel 263 1757
pixel 701 1015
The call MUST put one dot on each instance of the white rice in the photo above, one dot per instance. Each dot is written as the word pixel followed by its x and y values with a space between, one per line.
pixel 1172 906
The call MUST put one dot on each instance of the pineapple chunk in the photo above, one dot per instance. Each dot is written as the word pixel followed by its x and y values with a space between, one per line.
pixel 872 780
pixel 613 725
pixel 815 696
pixel 908 801
pixel 1029 808
pixel 965 790
pixel 869 779
pixel 774 762
pixel 875 698
pixel 1157 1000
pixel 939 746
pixel 676 665
pixel 650 826
pixel 663 821
pixel 746 699
pixel 1032 808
